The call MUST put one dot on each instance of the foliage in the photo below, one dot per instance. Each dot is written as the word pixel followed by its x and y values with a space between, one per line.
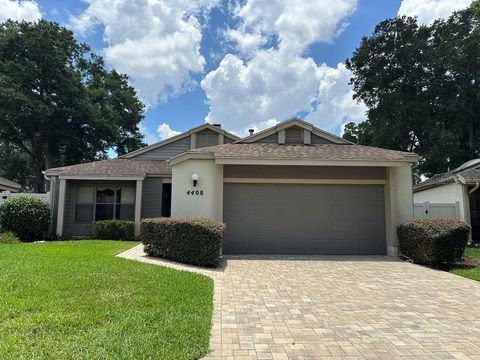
pixel 433 241
pixel 195 241
pixel 8 237
pixel 472 273
pixel 25 216
pixel 60 104
pixel 422 87
pixel 114 230
pixel 77 300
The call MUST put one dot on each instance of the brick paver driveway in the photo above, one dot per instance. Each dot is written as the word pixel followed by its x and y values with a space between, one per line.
pixel 342 308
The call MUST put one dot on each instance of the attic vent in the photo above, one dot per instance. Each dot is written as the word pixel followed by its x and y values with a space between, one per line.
pixel 217 125
pixel 251 131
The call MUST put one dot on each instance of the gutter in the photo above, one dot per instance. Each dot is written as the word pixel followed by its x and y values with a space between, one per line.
pixel 475 188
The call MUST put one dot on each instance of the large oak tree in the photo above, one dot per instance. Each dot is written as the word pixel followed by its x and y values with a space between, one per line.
pixel 422 87
pixel 59 103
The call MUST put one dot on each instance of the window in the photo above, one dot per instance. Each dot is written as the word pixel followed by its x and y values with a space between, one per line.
pixel 104 203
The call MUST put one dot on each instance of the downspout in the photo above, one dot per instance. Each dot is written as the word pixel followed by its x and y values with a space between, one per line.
pixel 51 200
pixel 475 188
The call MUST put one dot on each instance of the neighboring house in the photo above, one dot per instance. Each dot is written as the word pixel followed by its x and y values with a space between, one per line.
pixel 290 189
pixel 9 185
pixel 459 185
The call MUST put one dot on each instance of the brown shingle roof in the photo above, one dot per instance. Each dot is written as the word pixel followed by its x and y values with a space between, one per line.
pixel 9 183
pixel 469 173
pixel 307 152
pixel 114 167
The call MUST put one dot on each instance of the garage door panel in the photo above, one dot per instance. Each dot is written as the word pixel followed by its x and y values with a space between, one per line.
pixel 304 219
pixel 369 209
pixel 343 209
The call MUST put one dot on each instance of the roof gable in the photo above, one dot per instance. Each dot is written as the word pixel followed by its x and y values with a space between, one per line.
pixel 293 125
pixel 181 138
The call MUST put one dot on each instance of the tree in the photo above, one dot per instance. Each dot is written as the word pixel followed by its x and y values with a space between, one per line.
pixel 60 104
pixel 421 85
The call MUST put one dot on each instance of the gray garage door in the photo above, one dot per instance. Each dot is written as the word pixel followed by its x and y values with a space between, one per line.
pixel 304 219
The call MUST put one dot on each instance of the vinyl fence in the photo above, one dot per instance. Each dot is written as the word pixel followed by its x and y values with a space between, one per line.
pixel 7 195
pixel 427 210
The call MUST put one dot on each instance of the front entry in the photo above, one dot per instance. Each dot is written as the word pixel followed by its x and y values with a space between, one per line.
pixel 304 219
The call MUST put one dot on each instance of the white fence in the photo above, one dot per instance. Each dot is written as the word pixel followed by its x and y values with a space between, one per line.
pixel 429 210
pixel 7 195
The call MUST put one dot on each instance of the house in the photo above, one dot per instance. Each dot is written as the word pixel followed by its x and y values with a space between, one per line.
pixel 460 186
pixel 290 189
pixel 9 185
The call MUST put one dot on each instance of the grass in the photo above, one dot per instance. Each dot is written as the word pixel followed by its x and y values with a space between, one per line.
pixel 76 300
pixel 473 273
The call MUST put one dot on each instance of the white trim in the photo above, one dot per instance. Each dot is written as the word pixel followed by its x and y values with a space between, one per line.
pixel 100 177
pixel 307 137
pixel 61 206
pixel 282 134
pixel 305 181
pixel 190 155
pixel 167 180
pixel 193 141
pixel 300 162
pixel 221 139
pixel 138 206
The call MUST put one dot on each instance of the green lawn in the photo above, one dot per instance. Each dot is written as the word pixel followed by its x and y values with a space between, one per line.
pixel 473 273
pixel 76 300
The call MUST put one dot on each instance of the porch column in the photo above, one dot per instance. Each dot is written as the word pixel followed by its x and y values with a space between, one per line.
pixel 138 206
pixel 61 206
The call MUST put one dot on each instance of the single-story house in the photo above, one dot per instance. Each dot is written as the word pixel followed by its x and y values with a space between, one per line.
pixel 9 185
pixel 290 189
pixel 459 185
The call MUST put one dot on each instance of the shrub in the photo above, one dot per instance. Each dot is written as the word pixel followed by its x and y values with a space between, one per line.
pixel 433 241
pixel 195 241
pixel 25 216
pixel 114 230
pixel 8 238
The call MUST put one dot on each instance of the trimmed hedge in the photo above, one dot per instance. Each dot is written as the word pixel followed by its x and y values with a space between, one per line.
pixel 195 241
pixel 27 217
pixel 114 230
pixel 433 241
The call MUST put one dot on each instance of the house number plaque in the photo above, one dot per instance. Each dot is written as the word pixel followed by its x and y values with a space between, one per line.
pixel 195 192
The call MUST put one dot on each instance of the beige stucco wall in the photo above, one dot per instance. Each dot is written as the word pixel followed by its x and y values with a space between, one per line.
pixel 398 203
pixel 210 204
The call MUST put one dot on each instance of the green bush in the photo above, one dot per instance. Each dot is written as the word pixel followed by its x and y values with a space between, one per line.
pixel 195 241
pixel 25 216
pixel 114 230
pixel 8 238
pixel 433 241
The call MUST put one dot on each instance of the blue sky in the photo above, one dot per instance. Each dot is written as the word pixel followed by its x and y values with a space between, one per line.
pixel 242 63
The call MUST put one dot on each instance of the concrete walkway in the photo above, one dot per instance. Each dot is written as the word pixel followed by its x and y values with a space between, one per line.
pixel 338 308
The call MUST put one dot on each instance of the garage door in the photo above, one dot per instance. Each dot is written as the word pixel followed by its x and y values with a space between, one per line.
pixel 304 219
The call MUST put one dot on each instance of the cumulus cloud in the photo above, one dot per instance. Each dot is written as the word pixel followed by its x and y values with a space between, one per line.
pixel 278 81
pixel 156 42
pixel 165 131
pixel 19 10
pixel 428 11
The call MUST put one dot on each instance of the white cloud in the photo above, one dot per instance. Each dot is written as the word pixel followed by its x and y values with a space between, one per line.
pixel 276 83
pixel 156 42
pixel 148 137
pixel 165 131
pixel 297 23
pixel 430 10
pixel 335 99
pixel 19 10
